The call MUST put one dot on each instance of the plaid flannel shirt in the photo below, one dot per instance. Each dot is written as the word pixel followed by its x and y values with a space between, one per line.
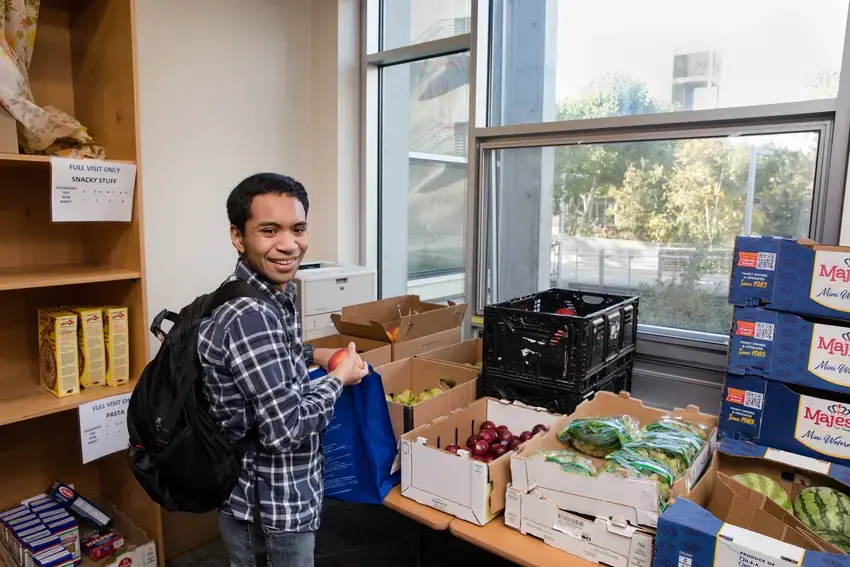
pixel 255 374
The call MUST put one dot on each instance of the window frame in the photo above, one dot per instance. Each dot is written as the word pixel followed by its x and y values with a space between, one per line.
pixel 687 359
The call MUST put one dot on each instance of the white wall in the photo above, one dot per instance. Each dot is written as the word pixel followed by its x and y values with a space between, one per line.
pixel 227 89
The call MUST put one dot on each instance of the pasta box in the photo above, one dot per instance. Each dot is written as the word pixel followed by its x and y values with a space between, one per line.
pixel 790 348
pixel 783 416
pixel 798 276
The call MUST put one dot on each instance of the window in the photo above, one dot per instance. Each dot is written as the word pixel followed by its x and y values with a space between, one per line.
pixel 550 60
pixel 422 157
pixel 653 218
pixel 411 22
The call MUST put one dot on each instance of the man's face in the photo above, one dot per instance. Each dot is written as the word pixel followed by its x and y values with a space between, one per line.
pixel 275 237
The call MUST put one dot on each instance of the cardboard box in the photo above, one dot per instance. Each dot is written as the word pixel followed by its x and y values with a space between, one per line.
pixel 775 414
pixel 791 276
pixel 726 529
pixel 57 352
pixel 636 501
pixel 375 353
pixel 790 348
pixel 466 353
pixel 116 339
pixel 793 473
pixel 414 319
pixel 412 347
pixel 8 133
pixel 598 540
pixel 455 483
pixel 416 375
pixel 90 347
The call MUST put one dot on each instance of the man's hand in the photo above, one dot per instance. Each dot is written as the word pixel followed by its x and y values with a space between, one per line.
pixel 322 356
pixel 352 369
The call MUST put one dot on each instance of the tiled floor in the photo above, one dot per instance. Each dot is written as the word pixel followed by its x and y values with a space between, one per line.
pixel 354 535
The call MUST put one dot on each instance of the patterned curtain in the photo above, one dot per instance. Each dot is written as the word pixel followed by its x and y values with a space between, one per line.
pixel 42 130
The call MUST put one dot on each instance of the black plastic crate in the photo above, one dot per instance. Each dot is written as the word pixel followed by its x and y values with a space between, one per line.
pixel 554 398
pixel 525 338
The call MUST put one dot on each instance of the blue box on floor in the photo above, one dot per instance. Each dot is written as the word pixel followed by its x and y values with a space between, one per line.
pixel 792 276
pixel 790 348
pixel 778 415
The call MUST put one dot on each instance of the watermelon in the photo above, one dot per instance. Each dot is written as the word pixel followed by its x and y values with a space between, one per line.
pixel 840 541
pixel 823 508
pixel 766 486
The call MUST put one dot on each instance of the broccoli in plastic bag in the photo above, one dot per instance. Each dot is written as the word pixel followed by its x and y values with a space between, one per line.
pixel 671 453
pixel 569 462
pixel 670 423
pixel 630 465
pixel 599 436
pixel 690 444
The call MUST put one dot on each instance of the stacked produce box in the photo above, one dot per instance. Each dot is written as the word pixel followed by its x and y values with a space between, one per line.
pixel 776 493
pixel 555 348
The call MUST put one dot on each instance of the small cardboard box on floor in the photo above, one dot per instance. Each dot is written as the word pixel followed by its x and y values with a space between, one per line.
pixel 609 541
pixel 722 522
pixel 790 348
pixel 376 353
pixel 467 353
pixel 421 326
pixel 802 420
pixel 416 375
pixel 455 483
pixel 635 501
pixel 799 276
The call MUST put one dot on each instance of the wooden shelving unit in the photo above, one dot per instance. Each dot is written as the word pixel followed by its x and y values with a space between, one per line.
pixel 84 62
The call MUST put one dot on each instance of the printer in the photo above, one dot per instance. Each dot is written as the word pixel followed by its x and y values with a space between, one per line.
pixel 324 288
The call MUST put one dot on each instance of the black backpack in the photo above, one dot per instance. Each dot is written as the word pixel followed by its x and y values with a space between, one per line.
pixel 177 452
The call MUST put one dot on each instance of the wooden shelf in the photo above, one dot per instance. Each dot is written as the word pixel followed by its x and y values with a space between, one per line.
pixel 26 160
pixel 51 276
pixel 25 399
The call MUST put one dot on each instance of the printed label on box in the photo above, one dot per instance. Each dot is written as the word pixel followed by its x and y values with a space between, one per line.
pixel 824 426
pixel 831 280
pixel 829 354
pixel 571 526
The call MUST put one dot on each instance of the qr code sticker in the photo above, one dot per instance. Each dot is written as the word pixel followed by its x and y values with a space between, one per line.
pixel 764 331
pixel 753 400
pixel 766 261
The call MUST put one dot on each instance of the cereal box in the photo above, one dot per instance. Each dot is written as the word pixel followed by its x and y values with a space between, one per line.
pixel 90 349
pixel 116 339
pixel 57 352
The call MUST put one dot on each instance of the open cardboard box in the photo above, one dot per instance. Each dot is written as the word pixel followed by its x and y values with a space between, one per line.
pixel 416 374
pixel 421 326
pixel 466 353
pixel 714 525
pixel 455 483
pixel 636 501
pixel 599 540
pixel 376 353
pixel 793 473
pixel 138 549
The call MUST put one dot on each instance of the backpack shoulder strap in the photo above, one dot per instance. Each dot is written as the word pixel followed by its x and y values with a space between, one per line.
pixel 231 290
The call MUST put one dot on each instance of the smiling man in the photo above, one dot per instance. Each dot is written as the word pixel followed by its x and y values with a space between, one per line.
pixel 255 379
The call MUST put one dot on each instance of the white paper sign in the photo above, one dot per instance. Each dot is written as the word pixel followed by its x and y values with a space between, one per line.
pixel 91 190
pixel 103 427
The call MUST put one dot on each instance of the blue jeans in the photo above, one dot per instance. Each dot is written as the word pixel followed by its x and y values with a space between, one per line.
pixel 285 549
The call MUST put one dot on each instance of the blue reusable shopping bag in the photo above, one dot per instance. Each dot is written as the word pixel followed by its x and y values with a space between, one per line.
pixel 359 445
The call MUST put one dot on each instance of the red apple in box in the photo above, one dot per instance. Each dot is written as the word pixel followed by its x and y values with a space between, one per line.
pixel 566 311
pixel 337 358
pixel 488 435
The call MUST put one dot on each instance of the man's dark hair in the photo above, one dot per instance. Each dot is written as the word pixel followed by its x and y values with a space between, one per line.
pixel 240 199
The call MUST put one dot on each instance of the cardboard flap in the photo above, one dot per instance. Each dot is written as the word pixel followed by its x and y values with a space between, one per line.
pixel 413 317
pixel 430 322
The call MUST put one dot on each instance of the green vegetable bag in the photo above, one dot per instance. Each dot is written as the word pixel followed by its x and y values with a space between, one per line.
pixel 670 423
pixel 599 436
pixel 672 454
pixel 630 465
pixel 570 462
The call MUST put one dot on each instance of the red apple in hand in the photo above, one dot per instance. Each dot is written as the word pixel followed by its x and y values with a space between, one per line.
pixel 337 358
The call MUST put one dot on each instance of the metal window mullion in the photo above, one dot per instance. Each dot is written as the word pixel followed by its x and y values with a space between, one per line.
pixel 819 228
pixel 764 114
pixel 420 51
pixel 625 135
